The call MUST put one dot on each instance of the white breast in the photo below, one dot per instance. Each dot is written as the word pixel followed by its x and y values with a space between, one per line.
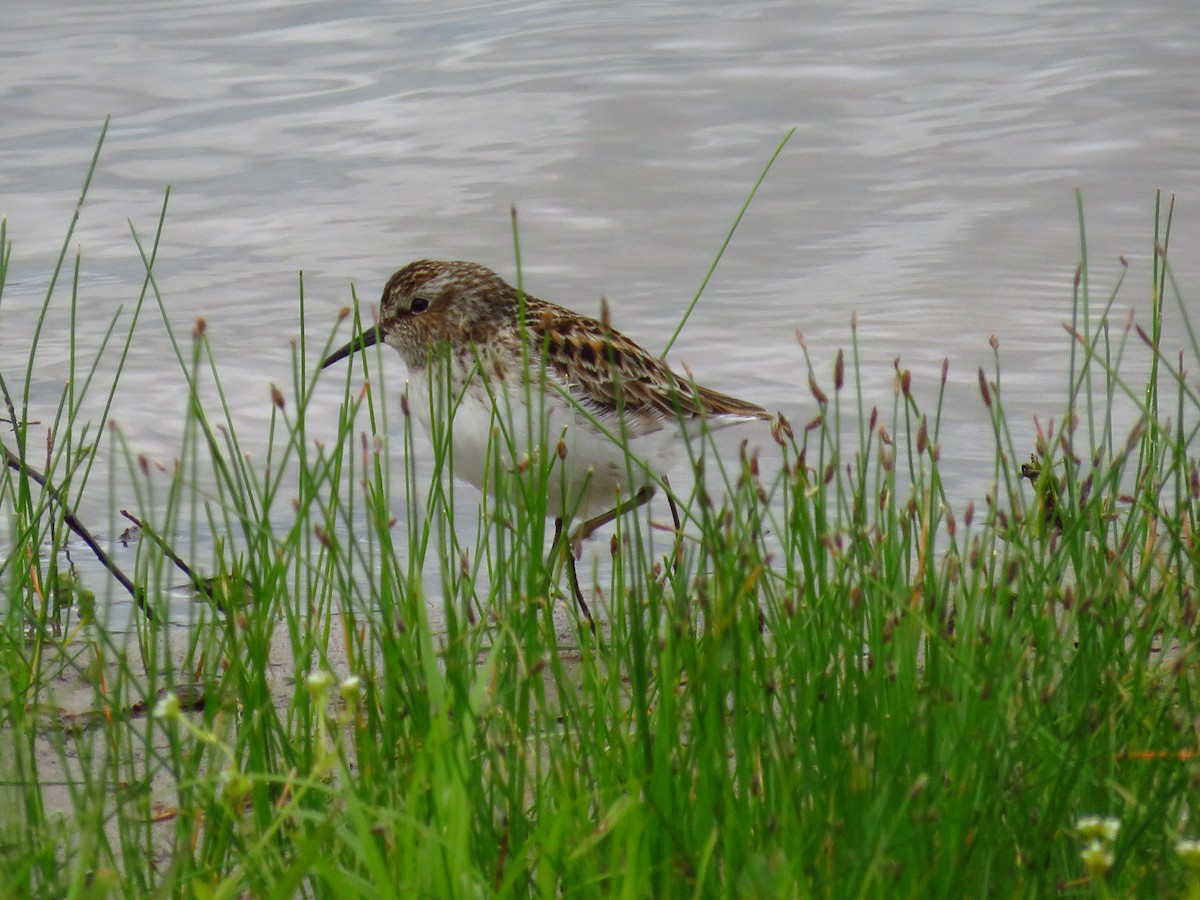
pixel 500 422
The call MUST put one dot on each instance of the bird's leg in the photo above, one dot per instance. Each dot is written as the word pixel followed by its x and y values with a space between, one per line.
pixel 677 553
pixel 572 575
pixel 588 528
pixel 582 533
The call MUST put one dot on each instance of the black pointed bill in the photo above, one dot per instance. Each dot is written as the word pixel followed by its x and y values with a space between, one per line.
pixel 368 338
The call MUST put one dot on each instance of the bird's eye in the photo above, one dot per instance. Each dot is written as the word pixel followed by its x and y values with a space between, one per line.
pixel 419 305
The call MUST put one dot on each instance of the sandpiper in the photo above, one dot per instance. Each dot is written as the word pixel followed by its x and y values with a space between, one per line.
pixel 609 412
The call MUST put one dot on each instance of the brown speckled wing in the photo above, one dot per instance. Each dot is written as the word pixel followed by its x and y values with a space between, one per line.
pixel 603 369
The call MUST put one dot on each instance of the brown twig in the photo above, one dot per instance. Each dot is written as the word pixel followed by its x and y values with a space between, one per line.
pixel 207 587
pixel 196 580
pixel 139 596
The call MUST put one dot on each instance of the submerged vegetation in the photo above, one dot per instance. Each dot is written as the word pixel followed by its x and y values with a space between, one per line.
pixel 836 684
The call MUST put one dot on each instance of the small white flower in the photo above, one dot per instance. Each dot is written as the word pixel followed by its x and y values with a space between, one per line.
pixel 1189 853
pixel 167 707
pixel 1098 828
pixel 235 785
pixel 350 688
pixel 318 682
pixel 1097 858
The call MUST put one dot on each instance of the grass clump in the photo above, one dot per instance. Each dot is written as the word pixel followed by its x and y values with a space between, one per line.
pixel 837 684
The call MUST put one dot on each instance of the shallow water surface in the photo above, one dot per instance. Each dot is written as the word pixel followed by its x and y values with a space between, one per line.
pixel 928 188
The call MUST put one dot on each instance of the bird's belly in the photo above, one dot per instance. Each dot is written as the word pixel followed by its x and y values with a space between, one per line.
pixel 489 441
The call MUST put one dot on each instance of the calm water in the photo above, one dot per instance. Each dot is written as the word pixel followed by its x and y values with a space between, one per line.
pixel 928 188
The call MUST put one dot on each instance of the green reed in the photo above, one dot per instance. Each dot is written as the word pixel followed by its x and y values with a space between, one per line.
pixel 835 683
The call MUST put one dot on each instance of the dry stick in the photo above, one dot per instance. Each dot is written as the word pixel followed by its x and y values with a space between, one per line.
pixel 196 580
pixel 206 587
pixel 139 596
